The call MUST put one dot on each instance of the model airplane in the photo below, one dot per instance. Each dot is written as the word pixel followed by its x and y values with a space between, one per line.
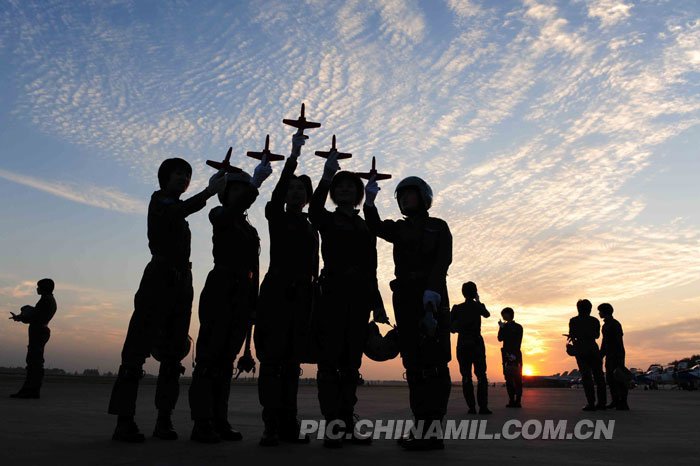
pixel 266 153
pixel 373 173
pixel 325 154
pixel 225 165
pixel 301 123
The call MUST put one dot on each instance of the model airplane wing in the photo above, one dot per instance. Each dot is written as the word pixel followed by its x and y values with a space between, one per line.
pixel 224 165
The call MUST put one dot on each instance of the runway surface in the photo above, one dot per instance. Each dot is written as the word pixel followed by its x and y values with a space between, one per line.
pixel 69 426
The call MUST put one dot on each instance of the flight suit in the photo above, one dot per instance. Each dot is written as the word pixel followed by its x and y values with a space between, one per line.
pixel 612 349
pixel 226 310
pixel 282 326
pixel 348 292
pixel 511 334
pixel 585 330
pixel 422 254
pixel 38 319
pixel 471 351
pixel 162 306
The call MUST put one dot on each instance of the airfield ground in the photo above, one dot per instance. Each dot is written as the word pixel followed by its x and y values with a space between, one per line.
pixel 69 426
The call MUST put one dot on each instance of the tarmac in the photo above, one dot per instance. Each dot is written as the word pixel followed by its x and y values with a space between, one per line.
pixel 69 425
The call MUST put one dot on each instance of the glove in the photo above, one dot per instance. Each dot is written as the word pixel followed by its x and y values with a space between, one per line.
pixel 298 140
pixel 429 324
pixel 217 182
pixel 431 300
pixel 331 166
pixel 379 314
pixel 261 172
pixel 371 190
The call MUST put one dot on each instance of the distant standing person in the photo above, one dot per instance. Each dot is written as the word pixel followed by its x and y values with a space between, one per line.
pixel 38 318
pixel 613 350
pixel 163 303
pixel 511 334
pixel 584 330
pixel 471 351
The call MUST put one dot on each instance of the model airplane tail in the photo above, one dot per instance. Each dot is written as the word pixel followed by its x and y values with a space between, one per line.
pixel 224 165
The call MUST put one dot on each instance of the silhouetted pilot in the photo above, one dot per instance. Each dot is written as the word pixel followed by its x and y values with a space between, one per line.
pixel 422 254
pixel 511 334
pixel 226 305
pixel 38 318
pixel 163 303
pixel 284 308
pixel 584 330
pixel 349 292
pixel 471 351
pixel 613 350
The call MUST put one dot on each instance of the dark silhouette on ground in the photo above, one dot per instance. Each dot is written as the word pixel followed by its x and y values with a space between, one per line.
pixel 466 322
pixel 163 303
pixel 584 330
pixel 511 334
pixel 226 305
pixel 612 349
pixel 282 324
pixel 38 318
pixel 349 292
pixel 422 255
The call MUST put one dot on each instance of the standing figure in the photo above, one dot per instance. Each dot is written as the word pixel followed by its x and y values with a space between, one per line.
pixel 282 321
pixel 422 254
pixel 226 305
pixel 511 334
pixel 163 303
pixel 349 291
pixel 471 351
pixel 613 350
pixel 584 330
pixel 38 318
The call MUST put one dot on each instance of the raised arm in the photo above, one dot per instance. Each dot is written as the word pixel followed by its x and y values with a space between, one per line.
pixel 385 229
pixel 276 204
pixel 318 214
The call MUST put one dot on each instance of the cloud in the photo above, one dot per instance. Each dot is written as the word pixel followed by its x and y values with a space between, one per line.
pixel 609 12
pixel 534 125
pixel 95 196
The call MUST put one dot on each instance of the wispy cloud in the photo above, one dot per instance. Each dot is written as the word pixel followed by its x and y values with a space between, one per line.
pixel 95 196
pixel 533 122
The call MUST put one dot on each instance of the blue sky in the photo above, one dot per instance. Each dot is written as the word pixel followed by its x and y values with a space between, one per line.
pixel 560 139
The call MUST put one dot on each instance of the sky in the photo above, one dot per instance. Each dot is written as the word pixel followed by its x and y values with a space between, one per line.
pixel 560 139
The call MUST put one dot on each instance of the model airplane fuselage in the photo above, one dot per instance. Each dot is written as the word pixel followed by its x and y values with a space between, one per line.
pixel 269 156
pixel 224 165
pixel 325 154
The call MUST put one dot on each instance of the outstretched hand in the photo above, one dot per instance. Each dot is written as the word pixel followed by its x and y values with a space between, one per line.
pixel 298 140
pixel 217 182
pixel 371 191
pixel 261 172
pixel 331 166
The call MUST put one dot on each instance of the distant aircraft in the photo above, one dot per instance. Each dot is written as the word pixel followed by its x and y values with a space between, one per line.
pixel 325 154
pixel 689 379
pixel 657 375
pixel 564 380
pixel 225 165
pixel 373 173
pixel 266 153
pixel 301 123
